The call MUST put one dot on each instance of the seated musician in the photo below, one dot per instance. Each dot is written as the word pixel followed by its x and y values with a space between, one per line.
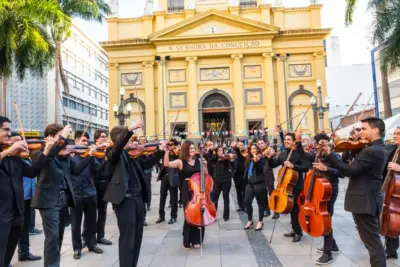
pixel 332 175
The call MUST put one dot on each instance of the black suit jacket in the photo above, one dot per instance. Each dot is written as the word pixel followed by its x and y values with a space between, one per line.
pixel 12 171
pixel 363 193
pixel 52 170
pixel 390 150
pixel 258 171
pixel 121 167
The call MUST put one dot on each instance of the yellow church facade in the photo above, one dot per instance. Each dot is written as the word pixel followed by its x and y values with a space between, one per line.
pixel 216 67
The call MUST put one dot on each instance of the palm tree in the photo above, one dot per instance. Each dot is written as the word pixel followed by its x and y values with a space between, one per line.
pixel 89 10
pixel 386 34
pixel 25 43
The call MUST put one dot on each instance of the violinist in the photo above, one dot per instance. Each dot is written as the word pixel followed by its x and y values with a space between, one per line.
pixel 355 135
pixel 187 164
pixel 254 175
pixel 147 177
pixel 101 182
pixel 392 244
pixel 270 179
pixel 299 166
pixel 85 202
pixel 238 177
pixel 169 182
pixel 13 169
pixel 223 172
pixel 127 191
pixel 333 176
pixel 363 195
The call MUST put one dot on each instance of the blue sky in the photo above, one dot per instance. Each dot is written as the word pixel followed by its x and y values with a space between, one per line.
pixel 355 44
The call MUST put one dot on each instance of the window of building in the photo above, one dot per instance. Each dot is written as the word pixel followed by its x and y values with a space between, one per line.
pixel 248 3
pixel 176 5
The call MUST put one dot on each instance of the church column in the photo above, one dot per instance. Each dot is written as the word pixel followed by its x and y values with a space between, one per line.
pixel 113 94
pixel 319 60
pixel 192 96
pixel 160 105
pixel 238 93
pixel 269 92
pixel 149 97
pixel 282 97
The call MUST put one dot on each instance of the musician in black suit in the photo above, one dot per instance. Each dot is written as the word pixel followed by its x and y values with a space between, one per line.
pixel 127 191
pixel 54 191
pixel 301 166
pixel 392 244
pixel 363 195
pixel 169 182
pixel 12 170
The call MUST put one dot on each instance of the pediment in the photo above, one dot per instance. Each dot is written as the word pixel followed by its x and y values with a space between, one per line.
pixel 213 23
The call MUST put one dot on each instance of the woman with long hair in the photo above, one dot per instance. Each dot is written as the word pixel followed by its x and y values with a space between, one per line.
pixel 254 175
pixel 187 165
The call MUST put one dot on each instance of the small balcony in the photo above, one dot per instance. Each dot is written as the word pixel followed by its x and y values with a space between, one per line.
pixel 248 4
pixel 176 9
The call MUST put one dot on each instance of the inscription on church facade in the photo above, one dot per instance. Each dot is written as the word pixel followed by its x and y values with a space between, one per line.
pixel 213 46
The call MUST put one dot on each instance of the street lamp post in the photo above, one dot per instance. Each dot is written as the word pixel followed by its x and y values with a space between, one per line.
pixel 319 107
pixel 162 63
pixel 119 109
pixel 283 58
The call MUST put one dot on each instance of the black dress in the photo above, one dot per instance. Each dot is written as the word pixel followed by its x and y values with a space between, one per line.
pixel 191 233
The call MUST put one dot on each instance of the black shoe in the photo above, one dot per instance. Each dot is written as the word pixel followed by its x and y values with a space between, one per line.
pixel 148 208
pixel 296 238
pixel 334 250
pixel 249 227
pixel 35 232
pixel 290 234
pixel 104 241
pixel 391 255
pixel 160 220
pixel 29 257
pixel 239 209
pixel 172 221
pixel 226 219
pixel 267 213
pixel 96 250
pixel 77 254
pixel 145 222
pixel 275 216
pixel 324 260
pixel 259 229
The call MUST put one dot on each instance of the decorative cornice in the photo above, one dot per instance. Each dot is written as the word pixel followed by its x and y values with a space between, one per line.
pixel 148 64
pixel 319 55
pixel 237 57
pixel 112 65
pixel 323 31
pixel 191 60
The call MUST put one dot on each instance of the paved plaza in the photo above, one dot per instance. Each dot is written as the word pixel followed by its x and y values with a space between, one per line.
pixel 226 243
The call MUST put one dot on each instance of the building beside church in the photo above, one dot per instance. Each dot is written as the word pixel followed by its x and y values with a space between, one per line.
pixel 248 64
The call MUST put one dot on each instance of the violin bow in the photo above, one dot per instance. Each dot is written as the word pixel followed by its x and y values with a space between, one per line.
pixel 362 113
pixel 173 128
pixel 187 128
pixel 20 123
pixel 85 129
pixel 220 128
pixel 166 124
pixel 62 105
pixel 347 114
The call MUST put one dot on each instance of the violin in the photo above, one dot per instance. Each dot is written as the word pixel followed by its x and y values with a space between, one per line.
pixel 349 145
pixel 244 153
pixel 78 149
pixel 314 217
pixel 33 145
pixel 135 151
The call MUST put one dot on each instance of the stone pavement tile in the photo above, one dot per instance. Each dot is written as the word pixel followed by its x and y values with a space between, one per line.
pixel 208 250
pixel 206 260
pixel 285 250
pixel 171 250
pixel 397 262
pixel 233 240
pixel 154 240
pixel 148 249
pixel 236 249
pixel 365 263
pixel 171 240
pixel 168 261
pixel 231 226
pixel 144 260
pixel 238 261
pixel 233 233
pixel 155 232
pixel 306 261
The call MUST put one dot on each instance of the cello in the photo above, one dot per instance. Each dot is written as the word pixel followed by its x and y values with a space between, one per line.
pixel 281 199
pixel 390 217
pixel 314 218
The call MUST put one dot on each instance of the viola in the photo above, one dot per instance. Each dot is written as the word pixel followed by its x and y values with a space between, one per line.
pixel 389 219
pixel 200 210
pixel 314 217
pixel 349 145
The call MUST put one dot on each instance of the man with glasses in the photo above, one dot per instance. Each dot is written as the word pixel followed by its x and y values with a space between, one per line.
pixel 12 170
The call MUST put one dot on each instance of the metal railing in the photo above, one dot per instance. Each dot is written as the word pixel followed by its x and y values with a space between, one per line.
pixel 175 9
pixel 248 4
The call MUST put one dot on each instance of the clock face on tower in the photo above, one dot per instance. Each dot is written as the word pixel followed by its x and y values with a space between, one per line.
pixel 211 2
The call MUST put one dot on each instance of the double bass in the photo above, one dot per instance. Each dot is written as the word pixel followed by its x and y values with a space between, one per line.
pixel 314 217
pixel 200 210
pixel 390 217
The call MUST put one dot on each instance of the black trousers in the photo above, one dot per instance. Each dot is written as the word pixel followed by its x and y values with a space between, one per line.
pixel 23 245
pixel 368 229
pixel 392 245
pixel 10 232
pixel 54 221
pixel 130 217
pixel 270 187
pixel 329 241
pixel 294 214
pixel 147 179
pixel 33 219
pixel 240 186
pixel 173 191
pixel 258 191
pixel 223 187
pixel 101 209
pixel 87 206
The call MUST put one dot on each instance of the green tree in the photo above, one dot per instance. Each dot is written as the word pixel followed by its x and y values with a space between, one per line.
pixel 386 35
pixel 25 43
pixel 89 10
